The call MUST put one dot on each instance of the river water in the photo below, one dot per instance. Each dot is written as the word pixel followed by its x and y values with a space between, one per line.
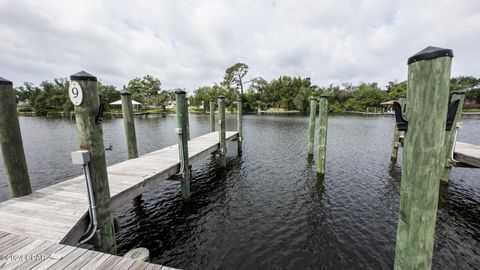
pixel 269 210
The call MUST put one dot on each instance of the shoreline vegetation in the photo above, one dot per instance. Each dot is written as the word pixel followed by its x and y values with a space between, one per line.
pixel 283 95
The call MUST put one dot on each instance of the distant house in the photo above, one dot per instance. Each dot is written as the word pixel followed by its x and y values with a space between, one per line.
pixel 388 106
pixel 171 105
pixel 135 104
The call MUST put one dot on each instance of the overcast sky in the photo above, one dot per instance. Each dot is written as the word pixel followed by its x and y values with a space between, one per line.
pixel 189 44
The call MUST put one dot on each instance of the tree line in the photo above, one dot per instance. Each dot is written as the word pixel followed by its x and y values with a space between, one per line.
pixel 284 92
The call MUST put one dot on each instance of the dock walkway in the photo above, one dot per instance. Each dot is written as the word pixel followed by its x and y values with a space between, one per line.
pixel 467 153
pixel 58 213
pixel 26 253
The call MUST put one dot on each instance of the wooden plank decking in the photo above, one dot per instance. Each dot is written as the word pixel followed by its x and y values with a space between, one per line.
pixel 25 253
pixel 467 153
pixel 58 213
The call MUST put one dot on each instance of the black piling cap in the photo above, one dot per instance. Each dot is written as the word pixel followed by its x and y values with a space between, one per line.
pixel 324 96
pixel 180 92
pixel 125 93
pixel 83 76
pixel 221 97
pixel 430 53
pixel 4 81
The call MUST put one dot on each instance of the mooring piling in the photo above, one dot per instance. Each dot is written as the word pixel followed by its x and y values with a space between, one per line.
pixel 187 117
pixel 423 155
pixel 129 125
pixel 11 142
pixel 322 133
pixel 212 116
pixel 181 131
pixel 221 132
pixel 88 114
pixel 311 126
pixel 451 134
pixel 239 124
pixel 396 135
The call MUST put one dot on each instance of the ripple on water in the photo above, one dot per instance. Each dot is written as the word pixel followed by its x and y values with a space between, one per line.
pixel 269 210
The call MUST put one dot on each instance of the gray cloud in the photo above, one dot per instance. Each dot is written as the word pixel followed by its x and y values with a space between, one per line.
pixel 190 43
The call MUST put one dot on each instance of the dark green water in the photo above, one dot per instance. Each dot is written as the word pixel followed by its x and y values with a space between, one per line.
pixel 269 210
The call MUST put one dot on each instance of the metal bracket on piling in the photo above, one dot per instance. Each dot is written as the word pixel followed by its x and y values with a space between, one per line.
pixel 82 157
pixel 452 112
pixel 99 116
pixel 402 124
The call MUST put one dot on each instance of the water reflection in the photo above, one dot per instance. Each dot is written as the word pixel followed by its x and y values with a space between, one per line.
pixel 269 209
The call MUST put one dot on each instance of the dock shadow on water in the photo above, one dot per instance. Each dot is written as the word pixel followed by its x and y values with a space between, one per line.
pixel 269 209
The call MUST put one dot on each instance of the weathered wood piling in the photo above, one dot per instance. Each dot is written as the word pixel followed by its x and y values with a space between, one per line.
pixel 187 118
pixel 451 136
pixel 129 125
pixel 239 124
pixel 423 156
pixel 221 132
pixel 212 116
pixel 311 126
pixel 88 114
pixel 183 143
pixel 322 134
pixel 396 135
pixel 11 142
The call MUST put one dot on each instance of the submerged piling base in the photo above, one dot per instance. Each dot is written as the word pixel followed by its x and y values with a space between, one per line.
pixel 139 254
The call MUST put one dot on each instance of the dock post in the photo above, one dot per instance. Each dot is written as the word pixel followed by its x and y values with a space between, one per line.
pixel 212 116
pixel 221 132
pixel 183 142
pixel 188 120
pixel 129 125
pixel 396 134
pixel 311 126
pixel 322 133
pixel 12 144
pixel 239 124
pixel 88 114
pixel 451 137
pixel 423 154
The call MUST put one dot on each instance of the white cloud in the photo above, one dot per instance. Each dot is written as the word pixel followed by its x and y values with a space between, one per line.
pixel 190 43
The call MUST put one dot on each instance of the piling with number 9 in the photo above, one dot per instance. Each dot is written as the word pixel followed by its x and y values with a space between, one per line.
pixel 427 101
pixel 322 133
pixel 11 142
pixel 88 113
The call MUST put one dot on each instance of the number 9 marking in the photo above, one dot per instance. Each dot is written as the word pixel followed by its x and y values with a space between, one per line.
pixel 75 93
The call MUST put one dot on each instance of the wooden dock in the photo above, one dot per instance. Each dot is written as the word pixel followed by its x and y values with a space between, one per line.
pixel 25 253
pixel 58 213
pixel 464 153
pixel 467 154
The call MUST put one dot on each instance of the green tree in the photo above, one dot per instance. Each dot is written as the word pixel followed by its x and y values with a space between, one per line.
pixel 234 76
pixel 396 90
pixel 366 95
pixel 469 83
pixel 108 94
pixel 144 90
